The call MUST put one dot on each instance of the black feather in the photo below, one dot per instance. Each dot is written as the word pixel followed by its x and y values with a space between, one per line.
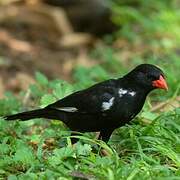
pixel 102 107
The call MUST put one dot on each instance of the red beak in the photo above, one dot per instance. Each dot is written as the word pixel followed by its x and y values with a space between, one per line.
pixel 160 83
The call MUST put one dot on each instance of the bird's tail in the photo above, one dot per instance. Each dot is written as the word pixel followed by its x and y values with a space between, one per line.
pixel 37 113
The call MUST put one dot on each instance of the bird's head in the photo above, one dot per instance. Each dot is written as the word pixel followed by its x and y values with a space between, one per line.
pixel 148 76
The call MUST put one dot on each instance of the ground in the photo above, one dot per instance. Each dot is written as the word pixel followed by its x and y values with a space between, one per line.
pixel 57 61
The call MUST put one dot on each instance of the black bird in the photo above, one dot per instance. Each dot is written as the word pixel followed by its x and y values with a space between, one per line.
pixel 104 106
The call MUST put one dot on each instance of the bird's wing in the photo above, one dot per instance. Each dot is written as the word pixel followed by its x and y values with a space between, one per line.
pixel 95 99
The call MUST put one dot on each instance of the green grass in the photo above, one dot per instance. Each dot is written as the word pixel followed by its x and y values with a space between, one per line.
pixel 148 148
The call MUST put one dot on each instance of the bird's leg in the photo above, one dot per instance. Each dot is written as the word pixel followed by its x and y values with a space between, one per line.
pixel 105 135
pixel 74 140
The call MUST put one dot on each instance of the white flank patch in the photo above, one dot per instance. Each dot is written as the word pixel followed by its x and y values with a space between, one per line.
pixel 107 105
pixel 132 93
pixel 68 109
pixel 125 91
pixel 122 92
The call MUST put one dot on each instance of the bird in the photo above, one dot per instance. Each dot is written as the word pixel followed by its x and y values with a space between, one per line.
pixel 104 106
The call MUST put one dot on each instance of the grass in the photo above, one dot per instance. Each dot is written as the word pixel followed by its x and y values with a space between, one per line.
pixel 147 148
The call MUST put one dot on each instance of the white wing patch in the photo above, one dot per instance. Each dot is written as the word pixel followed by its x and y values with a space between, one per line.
pixel 122 92
pixel 125 91
pixel 107 105
pixel 132 93
pixel 68 109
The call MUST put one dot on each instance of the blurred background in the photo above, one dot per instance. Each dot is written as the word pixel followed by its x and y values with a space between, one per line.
pixel 51 48
pixel 85 40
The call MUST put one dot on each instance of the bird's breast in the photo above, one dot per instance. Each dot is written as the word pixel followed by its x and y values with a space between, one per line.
pixel 127 106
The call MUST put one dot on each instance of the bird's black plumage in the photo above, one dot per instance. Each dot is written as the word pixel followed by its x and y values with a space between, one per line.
pixel 104 106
